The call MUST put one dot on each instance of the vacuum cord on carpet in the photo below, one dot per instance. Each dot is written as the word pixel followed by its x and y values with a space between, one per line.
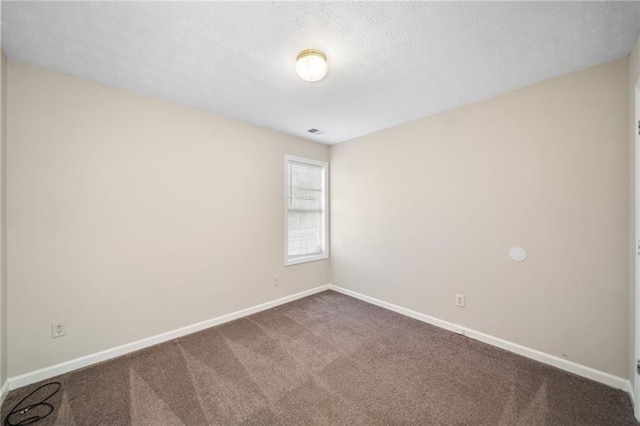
pixel 24 410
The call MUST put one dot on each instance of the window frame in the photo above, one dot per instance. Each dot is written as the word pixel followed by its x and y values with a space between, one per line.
pixel 325 211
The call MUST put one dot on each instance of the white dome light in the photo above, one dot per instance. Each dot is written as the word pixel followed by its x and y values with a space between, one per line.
pixel 311 65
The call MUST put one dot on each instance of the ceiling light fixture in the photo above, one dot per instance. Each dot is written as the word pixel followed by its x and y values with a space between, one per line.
pixel 311 65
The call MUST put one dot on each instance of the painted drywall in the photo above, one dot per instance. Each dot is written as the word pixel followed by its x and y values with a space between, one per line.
pixel 429 209
pixel 3 218
pixel 634 77
pixel 129 216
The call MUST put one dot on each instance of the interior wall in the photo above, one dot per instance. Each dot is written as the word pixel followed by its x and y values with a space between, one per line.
pixel 429 209
pixel 634 76
pixel 3 218
pixel 129 216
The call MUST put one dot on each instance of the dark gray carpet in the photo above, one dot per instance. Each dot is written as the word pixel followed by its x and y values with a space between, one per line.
pixel 328 359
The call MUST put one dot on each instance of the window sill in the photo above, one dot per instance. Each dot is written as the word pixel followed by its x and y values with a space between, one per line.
pixel 306 259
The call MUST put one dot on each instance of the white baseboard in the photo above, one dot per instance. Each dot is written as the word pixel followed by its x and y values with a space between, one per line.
pixel 555 361
pixel 74 364
pixel 4 390
pixel 632 394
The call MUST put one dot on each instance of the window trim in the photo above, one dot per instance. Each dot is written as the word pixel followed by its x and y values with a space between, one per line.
pixel 325 211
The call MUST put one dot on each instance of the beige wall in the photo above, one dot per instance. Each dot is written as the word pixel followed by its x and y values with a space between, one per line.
pixel 634 76
pixel 129 216
pixel 3 217
pixel 429 209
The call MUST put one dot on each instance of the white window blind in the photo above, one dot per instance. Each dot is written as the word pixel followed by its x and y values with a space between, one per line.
pixel 306 215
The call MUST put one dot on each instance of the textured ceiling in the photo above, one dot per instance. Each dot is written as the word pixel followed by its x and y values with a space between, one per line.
pixel 389 62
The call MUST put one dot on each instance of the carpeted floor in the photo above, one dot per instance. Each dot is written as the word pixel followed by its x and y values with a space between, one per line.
pixel 328 359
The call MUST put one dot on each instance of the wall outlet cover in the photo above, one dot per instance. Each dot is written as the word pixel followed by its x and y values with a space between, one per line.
pixel 58 329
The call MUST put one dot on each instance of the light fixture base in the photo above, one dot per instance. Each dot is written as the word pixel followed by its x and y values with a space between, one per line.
pixel 311 52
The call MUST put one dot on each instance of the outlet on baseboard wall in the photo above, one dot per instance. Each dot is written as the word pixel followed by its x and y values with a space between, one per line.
pixel 460 300
pixel 58 329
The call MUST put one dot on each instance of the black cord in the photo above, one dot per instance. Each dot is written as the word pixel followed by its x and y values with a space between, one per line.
pixel 24 410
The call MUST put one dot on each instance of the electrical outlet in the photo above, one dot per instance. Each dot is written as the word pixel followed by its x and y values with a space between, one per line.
pixel 276 281
pixel 460 300
pixel 58 329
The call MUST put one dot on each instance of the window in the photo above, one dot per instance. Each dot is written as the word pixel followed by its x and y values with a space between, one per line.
pixel 306 215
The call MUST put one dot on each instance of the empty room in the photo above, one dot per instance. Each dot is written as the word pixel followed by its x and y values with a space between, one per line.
pixel 319 213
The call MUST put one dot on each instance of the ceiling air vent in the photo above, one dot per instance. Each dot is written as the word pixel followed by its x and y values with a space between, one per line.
pixel 316 131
